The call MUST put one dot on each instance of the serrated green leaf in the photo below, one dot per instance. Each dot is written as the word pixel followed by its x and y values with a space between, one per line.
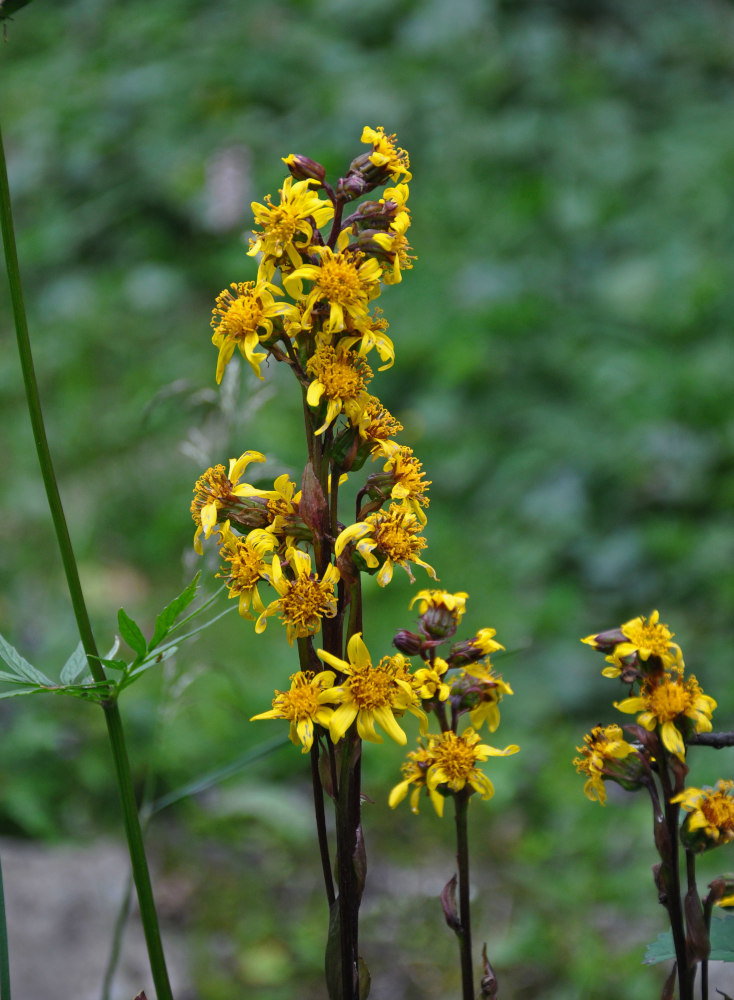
pixel 20 666
pixel 170 613
pixel 722 943
pixel 131 633
pixel 74 666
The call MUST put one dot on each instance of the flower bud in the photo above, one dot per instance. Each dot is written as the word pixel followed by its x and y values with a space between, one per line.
pixel 721 891
pixel 303 168
pixel 605 641
pixel 408 642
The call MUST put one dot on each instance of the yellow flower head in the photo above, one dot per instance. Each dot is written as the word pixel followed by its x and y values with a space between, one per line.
pixel 379 426
pixel 339 378
pixel 673 704
pixel 304 599
pixel 245 557
pixel 641 638
pixel 386 155
pixel 429 681
pixel 243 318
pixel 455 760
pixel 414 771
pixel 396 251
pixel 303 705
pixel 481 690
pixel 441 600
pixel 710 820
pixel 372 334
pixel 408 480
pixel 393 534
pixel 603 748
pixel 395 202
pixel 215 491
pixel 344 280
pixel 287 228
pixel 373 695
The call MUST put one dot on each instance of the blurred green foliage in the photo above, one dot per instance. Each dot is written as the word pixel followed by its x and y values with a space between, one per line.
pixel 564 370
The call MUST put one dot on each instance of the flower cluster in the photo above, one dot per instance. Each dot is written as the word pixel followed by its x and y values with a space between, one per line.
pixel 312 307
pixel 671 706
pixel 286 553
pixel 463 683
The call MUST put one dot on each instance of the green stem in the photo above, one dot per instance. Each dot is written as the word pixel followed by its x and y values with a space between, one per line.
pixel 111 710
pixel 37 425
pixel 136 848
pixel 461 804
pixel 4 956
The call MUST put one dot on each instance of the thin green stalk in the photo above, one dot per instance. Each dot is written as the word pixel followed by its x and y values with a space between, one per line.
pixel 4 956
pixel 461 805
pixel 111 710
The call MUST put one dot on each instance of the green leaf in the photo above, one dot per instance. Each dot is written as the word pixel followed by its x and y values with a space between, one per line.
pixel 170 613
pixel 20 666
pixel 8 7
pixel 722 942
pixel 20 690
pixel 113 664
pixel 74 666
pixel 130 632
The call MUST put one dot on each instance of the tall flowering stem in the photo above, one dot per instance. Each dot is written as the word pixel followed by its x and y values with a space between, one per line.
pixel 672 713
pixel 110 707
pixel 463 931
pixel 311 307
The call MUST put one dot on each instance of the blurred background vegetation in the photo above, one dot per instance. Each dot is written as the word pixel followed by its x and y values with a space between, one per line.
pixel 564 370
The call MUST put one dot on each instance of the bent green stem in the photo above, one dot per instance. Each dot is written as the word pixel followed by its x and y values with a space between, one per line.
pixel 112 714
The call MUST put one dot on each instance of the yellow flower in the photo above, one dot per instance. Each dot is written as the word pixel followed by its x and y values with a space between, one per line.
pixel 710 820
pixel 339 377
pixel 385 154
pixel 243 318
pixel 415 770
pixel 671 703
pixel 408 479
pixel 283 224
pixel 603 747
pixel 478 683
pixel 641 637
pixel 379 426
pixel 304 600
pixel 455 761
pixel 372 334
pixel 396 251
pixel 345 280
pixel 393 534
pixel 214 491
pixel 246 565
pixel 303 705
pixel 434 600
pixel 371 694
pixel 428 681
